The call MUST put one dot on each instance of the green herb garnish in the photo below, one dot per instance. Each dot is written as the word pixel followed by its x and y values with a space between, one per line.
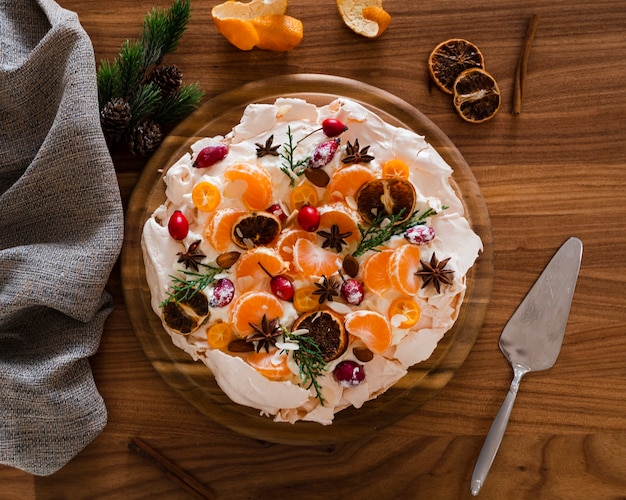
pixel 309 359
pixel 291 167
pixel 185 289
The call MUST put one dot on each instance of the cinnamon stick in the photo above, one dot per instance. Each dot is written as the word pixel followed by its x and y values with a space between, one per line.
pixel 171 470
pixel 522 65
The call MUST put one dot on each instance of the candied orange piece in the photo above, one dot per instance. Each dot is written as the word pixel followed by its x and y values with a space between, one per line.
pixel 257 192
pixel 304 194
pixel 304 300
pixel 395 168
pixel 403 265
pixel 375 272
pixel 219 335
pixel 371 327
pixel 405 311
pixel 206 196
pixel 250 307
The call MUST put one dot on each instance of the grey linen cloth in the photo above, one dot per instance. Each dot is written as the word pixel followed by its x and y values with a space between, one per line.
pixel 61 229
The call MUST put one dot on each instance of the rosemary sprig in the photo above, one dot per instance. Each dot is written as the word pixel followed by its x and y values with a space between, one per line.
pixel 186 288
pixel 376 234
pixel 309 359
pixel 291 167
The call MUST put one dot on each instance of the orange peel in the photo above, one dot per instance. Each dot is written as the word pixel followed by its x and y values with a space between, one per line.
pixel 364 17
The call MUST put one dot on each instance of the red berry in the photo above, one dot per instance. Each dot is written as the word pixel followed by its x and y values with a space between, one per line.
pixel 349 373
pixel 324 153
pixel 278 211
pixel 222 293
pixel 178 225
pixel 418 235
pixel 333 127
pixel 211 155
pixel 352 291
pixel 309 218
pixel 282 287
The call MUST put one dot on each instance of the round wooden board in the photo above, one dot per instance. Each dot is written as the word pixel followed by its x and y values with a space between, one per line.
pixel 192 380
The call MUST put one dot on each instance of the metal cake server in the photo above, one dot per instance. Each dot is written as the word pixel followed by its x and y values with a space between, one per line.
pixel 532 339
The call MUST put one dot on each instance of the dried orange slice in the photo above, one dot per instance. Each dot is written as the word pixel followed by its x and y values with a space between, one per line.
pixel 206 196
pixel 403 265
pixel 255 229
pixel 327 329
pixel 304 300
pixel 376 272
pixel 250 308
pixel 219 335
pixel 371 327
pixel 304 194
pixel 450 58
pixel 395 168
pixel 404 312
pixel 345 182
pixel 249 271
pixel 269 365
pixel 476 95
pixel 365 17
pixel 219 228
pixel 250 182
pixel 394 196
pixel 311 260
pixel 184 316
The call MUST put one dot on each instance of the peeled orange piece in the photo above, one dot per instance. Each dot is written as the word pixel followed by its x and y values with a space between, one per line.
pixel 371 327
pixel 376 272
pixel 364 17
pixel 403 264
pixel 288 238
pixel 250 307
pixel 312 260
pixel 219 228
pixel 257 191
pixel 269 365
pixel 258 23
pixel 346 181
pixel 249 267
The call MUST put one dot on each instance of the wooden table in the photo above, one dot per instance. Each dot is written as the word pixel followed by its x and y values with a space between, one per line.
pixel 556 170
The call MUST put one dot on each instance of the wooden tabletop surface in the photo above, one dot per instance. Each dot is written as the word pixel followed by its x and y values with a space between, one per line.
pixel 556 170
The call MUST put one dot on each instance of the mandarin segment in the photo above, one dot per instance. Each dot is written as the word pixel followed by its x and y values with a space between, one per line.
pixel 269 365
pixel 219 227
pixel 403 264
pixel 345 182
pixel 371 327
pixel 311 260
pixel 344 218
pixel 250 307
pixel 248 269
pixel 257 194
pixel 288 238
pixel 376 272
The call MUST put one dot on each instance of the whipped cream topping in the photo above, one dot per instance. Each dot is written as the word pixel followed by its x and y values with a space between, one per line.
pixel 289 400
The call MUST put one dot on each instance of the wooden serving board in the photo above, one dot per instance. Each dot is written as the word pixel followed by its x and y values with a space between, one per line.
pixel 193 380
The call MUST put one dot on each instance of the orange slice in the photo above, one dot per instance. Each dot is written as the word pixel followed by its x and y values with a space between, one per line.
pixel 219 335
pixel 371 327
pixel 406 310
pixel 346 181
pixel 269 365
pixel 375 272
pixel 403 265
pixel 312 260
pixel 219 228
pixel 344 218
pixel 206 196
pixel 304 194
pixel 304 300
pixel 257 192
pixel 395 168
pixel 365 17
pixel 476 95
pixel 250 308
pixel 249 267
pixel 448 59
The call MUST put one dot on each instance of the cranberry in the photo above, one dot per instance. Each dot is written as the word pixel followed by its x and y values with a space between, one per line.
pixel 178 225
pixel 349 373
pixel 333 127
pixel 418 235
pixel 280 285
pixel 352 291
pixel 309 218
pixel 278 211
pixel 211 155
pixel 222 293
pixel 324 153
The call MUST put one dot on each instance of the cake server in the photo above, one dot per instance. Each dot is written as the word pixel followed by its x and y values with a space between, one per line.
pixel 532 339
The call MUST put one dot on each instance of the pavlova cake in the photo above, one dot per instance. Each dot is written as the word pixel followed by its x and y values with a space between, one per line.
pixel 309 257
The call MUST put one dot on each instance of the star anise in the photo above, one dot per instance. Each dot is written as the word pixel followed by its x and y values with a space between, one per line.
pixel 435 273
pixel 265 333
pixel 356 155
pixel 334 239
pixel 267 148
pixel 192 257
pixel 327 289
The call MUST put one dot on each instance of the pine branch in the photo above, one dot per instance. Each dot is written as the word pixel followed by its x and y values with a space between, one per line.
pixel 108 81
pixel 162 31
pixel 131 71
pixel 178 105
pixel 144 102
pixel 309 359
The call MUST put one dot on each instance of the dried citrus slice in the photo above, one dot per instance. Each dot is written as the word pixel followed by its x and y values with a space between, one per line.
pixel 312 260
pixel 365 17
pixel 394 196
pixel 376 272
pixel 250 308
pixel 255 229
pixel 450 58
pixel 269 365
pixel 256 191
pixel 345 182
pixel 278 32
pixel 304 194
pixel 219 227
pixel 404 312
pixel 476 95
pixel 185 315
pixel 403 265
pixel 327 329
pixel 206 196
pixel 371 327
pixel 219 335
pixel 304 300
pixel 249 271
pixel 395 168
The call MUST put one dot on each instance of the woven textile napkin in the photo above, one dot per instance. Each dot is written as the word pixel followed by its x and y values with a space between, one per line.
pixel 61 226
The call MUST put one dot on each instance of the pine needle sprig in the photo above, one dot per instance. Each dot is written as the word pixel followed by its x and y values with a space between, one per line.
pixel 291 167
pixel 162 31
pixel 308 357
pixel 108 81
pixel 131 70
pixel 186 288
pixel 179 104
pixel 384 226
pixel 145 101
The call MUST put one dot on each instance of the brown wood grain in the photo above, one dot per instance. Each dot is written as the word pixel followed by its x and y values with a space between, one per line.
pixel 556 170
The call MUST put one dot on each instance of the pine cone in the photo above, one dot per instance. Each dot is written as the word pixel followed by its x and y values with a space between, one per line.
pixel 145 137
pixel 115 116
pixel 167 78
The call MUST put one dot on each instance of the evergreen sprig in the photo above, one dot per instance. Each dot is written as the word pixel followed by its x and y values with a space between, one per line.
pixel 186 288
pixel 291 167
pixel 308 357
pixel 179 104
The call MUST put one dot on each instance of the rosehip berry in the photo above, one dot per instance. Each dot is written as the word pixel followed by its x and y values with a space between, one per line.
pixel 178 225
pixel 324 153
pixel 309 218
pixel 278 211
pixel 418 235
pixel 333 127
pixel 222 293
pixel 211 155
pixel 282 287
pixel 352 291
pixel 349 373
